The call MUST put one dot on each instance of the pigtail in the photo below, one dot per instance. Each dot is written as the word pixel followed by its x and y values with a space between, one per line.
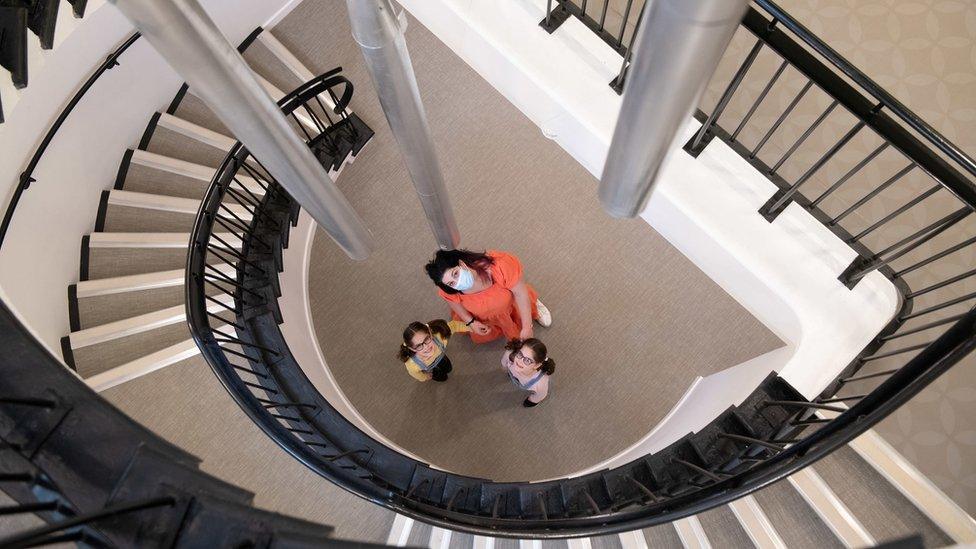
pixel 548 366
pixel 404 353
pixel 439 327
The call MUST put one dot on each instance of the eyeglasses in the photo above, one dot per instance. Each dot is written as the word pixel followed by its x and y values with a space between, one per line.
pixel 523 359
pixel 427 341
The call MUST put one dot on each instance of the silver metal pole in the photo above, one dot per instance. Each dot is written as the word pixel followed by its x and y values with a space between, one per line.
pixel 678 47
pixel 188 39
pixel 378 32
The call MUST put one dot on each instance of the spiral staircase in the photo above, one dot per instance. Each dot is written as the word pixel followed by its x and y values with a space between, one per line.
pixel 178 291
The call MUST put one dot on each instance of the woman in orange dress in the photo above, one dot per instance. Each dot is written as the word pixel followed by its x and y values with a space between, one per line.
pixel 486 292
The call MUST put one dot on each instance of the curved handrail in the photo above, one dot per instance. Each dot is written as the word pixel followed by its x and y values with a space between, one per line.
pixel 884 98
pixel 303 423
pixel 26 177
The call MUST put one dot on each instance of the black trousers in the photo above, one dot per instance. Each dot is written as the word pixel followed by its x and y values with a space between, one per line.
pixel 439 373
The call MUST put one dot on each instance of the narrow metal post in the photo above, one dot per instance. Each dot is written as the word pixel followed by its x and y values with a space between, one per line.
pixel 676 51
pixel 188 39
pixel 695 146
pixel 377 30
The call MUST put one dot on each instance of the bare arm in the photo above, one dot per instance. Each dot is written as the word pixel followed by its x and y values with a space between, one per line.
pixel 466 316
pixel 521 293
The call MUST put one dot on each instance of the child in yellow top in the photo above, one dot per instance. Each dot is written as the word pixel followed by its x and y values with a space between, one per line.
pixel 424 348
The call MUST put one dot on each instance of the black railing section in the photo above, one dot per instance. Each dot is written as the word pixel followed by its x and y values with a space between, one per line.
pixel 918 242
pixel 27 176
pixel 17 19
pixel 774 433
pixel 616 25
pixel 99 479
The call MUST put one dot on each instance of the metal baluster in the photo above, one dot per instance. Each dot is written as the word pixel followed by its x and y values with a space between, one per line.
pixel 30 537
pixel 803 138
pixel 849 174
pixel 591 501
pixel 759 99
pixel 751 440
pixel 858 272
pixel 842 399
pixel 242 355
pixel 868 376
pixel 231 309
pixel 951 218
pixel 696 468
pixel 909 205
pixel 891 180
pixel 936 257
pixel 292 405
pixel 248 383
pixel 942 284
pixel 940 306
pixel 248 370
pixel 924 327
pixel 623 24
pixel 896 352
pixel 800 404
pixel 781 202
pixel 618 83
pixel 695 145
pixel 782 117
pixel 603 14
pixel 644 489
pixel 234 283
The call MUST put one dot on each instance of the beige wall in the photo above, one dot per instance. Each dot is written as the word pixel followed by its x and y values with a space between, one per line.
pixel 924 53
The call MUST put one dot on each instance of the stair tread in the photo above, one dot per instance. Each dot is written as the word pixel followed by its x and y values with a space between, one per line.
pixel 106 300
pixel 193 109
pixel 723 528
pixel 797 524
pixel 664 536
pixel 878 505
pixel 136 324
pixel 178 138
pixel 149 239
pixel 127 211
pixel 143 365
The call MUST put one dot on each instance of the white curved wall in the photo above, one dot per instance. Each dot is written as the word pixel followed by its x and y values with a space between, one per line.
pixel 40 256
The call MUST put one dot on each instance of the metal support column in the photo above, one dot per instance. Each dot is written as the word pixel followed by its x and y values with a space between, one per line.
pixel 677 49
pixel 183 33
pixel 378 32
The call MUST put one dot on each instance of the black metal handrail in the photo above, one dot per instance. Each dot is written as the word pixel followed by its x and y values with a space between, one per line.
pixel 873 89
pixel 246 350
pixel 27 176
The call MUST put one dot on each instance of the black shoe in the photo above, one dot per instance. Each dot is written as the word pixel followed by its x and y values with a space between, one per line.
pixel 528 403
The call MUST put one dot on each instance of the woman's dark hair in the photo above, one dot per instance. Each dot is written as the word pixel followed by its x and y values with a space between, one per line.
pixel 448 259
pixel 539 351
pixel 438 327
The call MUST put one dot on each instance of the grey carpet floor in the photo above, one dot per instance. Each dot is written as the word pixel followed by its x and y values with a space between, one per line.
pixel 635 321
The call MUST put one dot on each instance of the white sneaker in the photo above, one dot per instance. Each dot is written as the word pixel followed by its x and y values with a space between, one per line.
pixel 545 317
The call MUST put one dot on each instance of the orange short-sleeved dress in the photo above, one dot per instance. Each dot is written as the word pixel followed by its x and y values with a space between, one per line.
pixel 495 305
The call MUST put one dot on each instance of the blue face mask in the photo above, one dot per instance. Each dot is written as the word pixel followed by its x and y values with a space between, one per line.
pixel 465 280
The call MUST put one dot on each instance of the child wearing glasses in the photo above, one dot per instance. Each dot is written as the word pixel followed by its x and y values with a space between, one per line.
pixel 529 366
pixel 424 348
